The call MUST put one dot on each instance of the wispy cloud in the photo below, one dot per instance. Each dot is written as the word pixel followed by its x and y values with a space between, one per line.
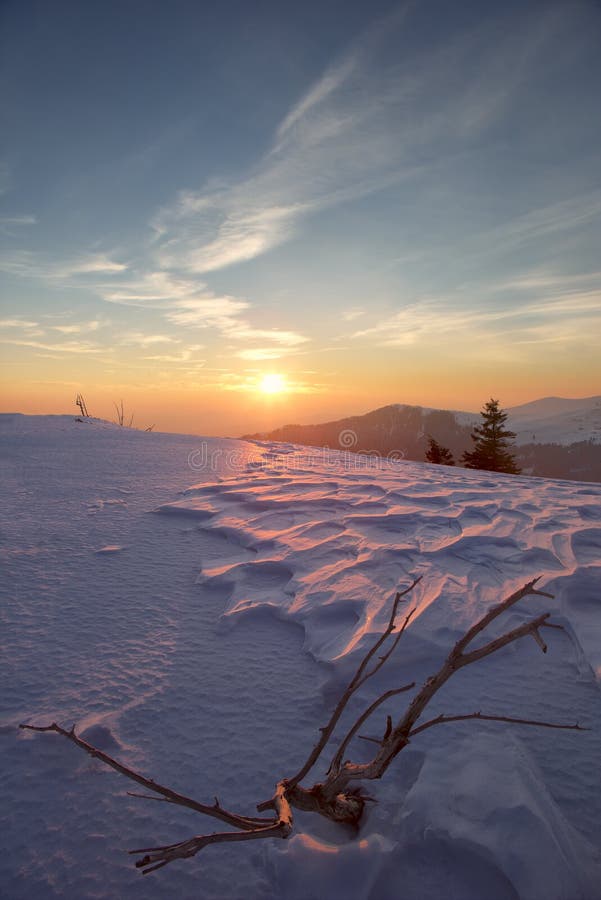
pixel 241 331
pixel 185 301
pixel 17 323
pixel 78 327
pixel 207 312
pixel 10 225
pixel 20 262
pixel 28 264
pixel 150 290
pixel 82 347
pixel 539 279
pixel 331 81
pixel 261 353
pixel 350 315
pixel 244 231
pixel 137 338
pixel 93 264
pixel 540 222
pixel 188 302
pixel 369 121
pixel 184 356
pixel 570 316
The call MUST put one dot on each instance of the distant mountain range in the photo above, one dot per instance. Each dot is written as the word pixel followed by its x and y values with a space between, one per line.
pixel 556 437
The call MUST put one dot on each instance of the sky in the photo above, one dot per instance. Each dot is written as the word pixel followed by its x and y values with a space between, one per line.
pixel 237 215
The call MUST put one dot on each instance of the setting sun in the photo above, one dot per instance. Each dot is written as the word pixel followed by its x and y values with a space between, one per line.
pixel 272 384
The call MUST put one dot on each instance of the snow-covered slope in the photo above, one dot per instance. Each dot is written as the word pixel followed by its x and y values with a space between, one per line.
pixel 550 420
pixel 557 420
pixel 202 633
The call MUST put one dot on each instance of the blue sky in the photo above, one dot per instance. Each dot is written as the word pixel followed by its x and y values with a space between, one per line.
pixel 383 202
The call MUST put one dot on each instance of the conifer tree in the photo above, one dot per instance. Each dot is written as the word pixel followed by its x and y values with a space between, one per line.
pixel 492 442
pixel 437 454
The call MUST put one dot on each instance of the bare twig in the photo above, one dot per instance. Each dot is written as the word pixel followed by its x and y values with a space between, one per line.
pixel 442 719
pixel 120 412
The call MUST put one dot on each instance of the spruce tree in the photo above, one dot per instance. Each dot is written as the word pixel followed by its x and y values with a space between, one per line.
pixel 492 443
pixel 437 454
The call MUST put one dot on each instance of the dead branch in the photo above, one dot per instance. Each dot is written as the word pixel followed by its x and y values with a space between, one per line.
pixel 79 401
pixel 120 413
pixel 341 796
pixel 281 826
pixel 170 795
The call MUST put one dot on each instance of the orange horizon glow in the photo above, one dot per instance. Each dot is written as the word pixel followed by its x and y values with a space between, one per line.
pixel 217 411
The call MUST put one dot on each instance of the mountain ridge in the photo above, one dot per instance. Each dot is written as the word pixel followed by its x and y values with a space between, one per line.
pixel 562 444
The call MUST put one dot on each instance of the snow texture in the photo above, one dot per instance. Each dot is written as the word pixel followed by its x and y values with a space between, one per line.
pixel 201 634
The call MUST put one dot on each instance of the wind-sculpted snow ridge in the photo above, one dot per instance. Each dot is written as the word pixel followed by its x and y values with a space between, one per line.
pixel 164 621
pixel 326 539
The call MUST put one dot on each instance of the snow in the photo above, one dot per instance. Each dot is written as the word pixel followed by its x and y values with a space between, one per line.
pixel 551 420
pixel 557 420
pixel 196 606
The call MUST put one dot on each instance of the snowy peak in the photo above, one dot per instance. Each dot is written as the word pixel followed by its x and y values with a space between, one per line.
pixel 554 406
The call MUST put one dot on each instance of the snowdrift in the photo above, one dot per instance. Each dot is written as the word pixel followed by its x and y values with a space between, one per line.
pixel 195 606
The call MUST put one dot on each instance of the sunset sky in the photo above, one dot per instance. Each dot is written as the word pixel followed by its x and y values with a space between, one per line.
pixel 375 202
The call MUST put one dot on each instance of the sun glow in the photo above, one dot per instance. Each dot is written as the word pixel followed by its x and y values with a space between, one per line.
pixel 272 383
